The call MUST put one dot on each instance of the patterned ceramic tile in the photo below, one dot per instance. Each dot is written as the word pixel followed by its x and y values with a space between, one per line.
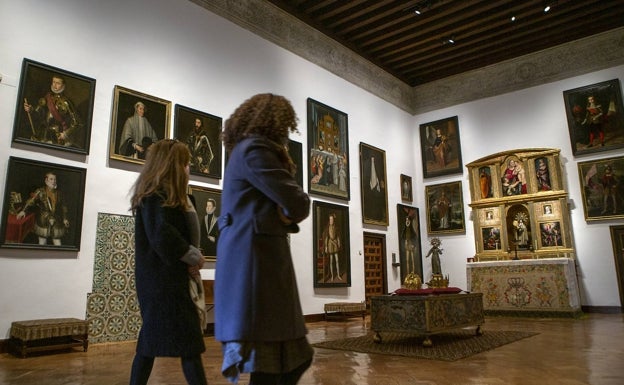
pixel 112 307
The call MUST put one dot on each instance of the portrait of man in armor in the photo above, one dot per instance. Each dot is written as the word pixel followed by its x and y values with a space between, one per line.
pixel 200 131
pixel 45 207
pixel 54 108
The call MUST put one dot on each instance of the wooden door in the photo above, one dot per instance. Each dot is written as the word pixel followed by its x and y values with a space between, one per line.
pixel 375 280
pixel 617 238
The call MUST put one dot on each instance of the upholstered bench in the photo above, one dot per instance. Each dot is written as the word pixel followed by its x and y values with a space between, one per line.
pixel 48 334
pixel 345 309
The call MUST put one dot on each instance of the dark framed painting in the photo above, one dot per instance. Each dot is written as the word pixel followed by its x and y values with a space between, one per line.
pixel 295 150
pixel 208 206
pixel 43 205
pixel 332 258
pixel 602 188
pixel 200 131
pixel 595 117
pixel 445 208
pixel 54 108
pixel 328 151
pixel 138 121
pixel 410 250
pixel 373 185
pixel 406 188
pixel 440 147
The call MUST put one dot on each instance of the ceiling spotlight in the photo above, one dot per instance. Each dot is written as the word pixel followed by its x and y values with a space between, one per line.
pixel 549 4
pixel 513 18
pixel 448 40
pixel 417 11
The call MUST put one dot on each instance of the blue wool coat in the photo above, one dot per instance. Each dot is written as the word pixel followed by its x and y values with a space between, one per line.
pixel 256 297
pixel 170 321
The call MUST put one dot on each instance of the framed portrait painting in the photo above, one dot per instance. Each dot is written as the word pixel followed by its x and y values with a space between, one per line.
pixel 445 208
pixel 602 188
pixel 440 147
pixel 410 251
pixel 332 259
pixel 43 205
pixel 406 188
pixel 373 185
pixel 595 117
pixel 200 131
pixel 328 151
pixel 54 108
pixel 138 121
pixel 295 150
pixel 208 206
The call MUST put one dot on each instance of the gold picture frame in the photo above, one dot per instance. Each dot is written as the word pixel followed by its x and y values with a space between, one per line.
pixel 132 133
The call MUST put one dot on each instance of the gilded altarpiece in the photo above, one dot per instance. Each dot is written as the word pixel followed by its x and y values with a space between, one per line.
pixel 520 208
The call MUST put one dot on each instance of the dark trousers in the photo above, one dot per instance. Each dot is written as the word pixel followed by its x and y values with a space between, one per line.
pixel 290 378
pixel 191 366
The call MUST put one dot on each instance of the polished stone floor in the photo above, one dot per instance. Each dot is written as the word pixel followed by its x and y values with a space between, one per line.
pixel 589 350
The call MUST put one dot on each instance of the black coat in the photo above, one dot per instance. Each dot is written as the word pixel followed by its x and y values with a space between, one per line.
pixel 170 321
pixel 256 297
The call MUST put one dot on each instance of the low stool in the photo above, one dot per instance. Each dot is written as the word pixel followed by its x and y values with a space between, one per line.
pixel 345 310
pixel 47 335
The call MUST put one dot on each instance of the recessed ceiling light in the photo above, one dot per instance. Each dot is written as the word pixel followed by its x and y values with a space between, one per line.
pixel 513 18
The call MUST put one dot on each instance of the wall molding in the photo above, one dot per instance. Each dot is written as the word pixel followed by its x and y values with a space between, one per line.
pixel 576 58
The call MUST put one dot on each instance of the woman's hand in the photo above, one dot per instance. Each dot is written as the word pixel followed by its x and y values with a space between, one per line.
pixel 282 216
pixel 194 270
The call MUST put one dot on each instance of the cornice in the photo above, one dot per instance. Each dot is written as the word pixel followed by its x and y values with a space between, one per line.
pixel 571 59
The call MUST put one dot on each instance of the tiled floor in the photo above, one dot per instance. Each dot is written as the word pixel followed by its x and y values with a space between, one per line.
pixel 589 350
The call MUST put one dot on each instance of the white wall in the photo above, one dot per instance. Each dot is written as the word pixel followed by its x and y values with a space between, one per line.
pixel 531 118
pixel 180 52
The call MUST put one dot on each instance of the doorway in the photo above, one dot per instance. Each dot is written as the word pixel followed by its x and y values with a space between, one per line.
pixel 617 239
pixel 375 279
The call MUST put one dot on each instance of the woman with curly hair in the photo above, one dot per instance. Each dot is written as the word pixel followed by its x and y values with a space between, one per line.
pixel 167 264
pixel 258 316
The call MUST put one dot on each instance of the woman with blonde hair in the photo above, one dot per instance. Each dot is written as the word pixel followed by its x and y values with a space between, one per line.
pixel 167 264
pixel 258 316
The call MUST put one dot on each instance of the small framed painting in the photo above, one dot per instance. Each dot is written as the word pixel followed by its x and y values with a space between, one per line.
pixel 406 188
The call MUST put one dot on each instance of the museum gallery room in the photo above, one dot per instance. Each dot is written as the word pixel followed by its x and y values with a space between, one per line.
pixel 464 162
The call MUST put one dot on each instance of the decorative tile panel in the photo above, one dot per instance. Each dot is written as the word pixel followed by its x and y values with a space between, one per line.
pixel 112 306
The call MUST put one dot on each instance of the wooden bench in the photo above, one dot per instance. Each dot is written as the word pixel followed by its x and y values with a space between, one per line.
pixel 344 310
pixel 47 335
